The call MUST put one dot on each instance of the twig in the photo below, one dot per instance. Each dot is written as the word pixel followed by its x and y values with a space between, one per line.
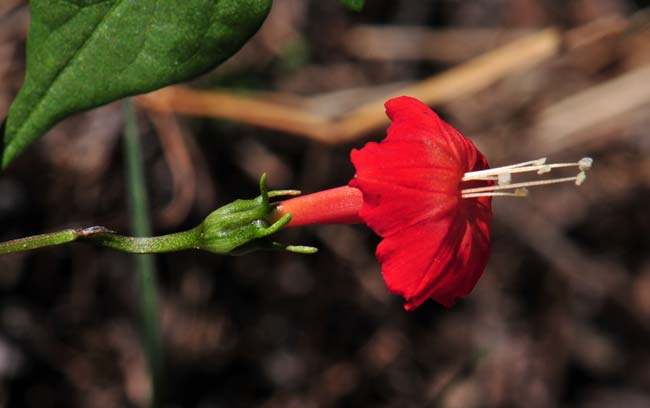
pixel 179 161
pixel 469 77
pixel 590 114
pixel 420 43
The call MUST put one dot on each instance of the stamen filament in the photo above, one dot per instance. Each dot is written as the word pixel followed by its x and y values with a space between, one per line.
pixel 519 185
pixel 503 176
pixel 521 193
pixel 478 175
pixel 490 174
pixel 546 167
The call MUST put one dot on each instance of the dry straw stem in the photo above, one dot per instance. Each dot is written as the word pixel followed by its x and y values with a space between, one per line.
pixel 593 114
pixel 181 167
pixel 602 112
pixel 451 46
pixel 469 77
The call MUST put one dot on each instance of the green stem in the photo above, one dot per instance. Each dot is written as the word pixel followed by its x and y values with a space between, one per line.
pixel 103 237
pixel 145 267
pixel 148 245
pixel 39 241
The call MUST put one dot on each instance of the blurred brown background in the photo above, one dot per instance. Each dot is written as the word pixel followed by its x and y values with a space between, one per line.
pixel 561 316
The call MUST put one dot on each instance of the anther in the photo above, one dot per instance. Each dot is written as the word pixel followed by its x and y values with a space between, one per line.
pixel 521 192
pixel 585 163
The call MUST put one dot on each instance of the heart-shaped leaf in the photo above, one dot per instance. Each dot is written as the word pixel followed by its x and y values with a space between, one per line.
pixel 85 53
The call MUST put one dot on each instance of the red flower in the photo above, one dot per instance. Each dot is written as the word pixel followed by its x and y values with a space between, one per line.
pixel 408 190
pixel 436 243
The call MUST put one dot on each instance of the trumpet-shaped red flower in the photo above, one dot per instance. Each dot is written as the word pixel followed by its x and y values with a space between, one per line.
pixel 426 190
pixel 408 190
pixel 436 243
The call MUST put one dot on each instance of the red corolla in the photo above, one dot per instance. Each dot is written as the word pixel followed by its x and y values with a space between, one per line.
pixel 426 190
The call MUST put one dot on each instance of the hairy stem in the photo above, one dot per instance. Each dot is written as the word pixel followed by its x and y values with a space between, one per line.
pixel 101 236
pixel 148 245
pixel 39 241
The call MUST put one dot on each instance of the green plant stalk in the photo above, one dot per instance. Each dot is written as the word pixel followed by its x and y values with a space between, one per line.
pixel 146 272
pixel 148 245
pixel 103 237
pixel 39 241
pixel 236 228
pixel 178 241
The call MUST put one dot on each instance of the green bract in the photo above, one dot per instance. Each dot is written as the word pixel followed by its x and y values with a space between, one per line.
pixel 245 225
pixel 85 53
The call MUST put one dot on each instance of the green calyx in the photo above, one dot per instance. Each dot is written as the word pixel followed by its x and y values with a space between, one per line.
pixel 244 226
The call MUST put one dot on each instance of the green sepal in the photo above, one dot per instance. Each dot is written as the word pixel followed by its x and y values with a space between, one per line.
pixel 243 226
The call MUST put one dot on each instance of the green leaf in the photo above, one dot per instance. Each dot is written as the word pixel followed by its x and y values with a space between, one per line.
pixel 85 53
pixel 355 5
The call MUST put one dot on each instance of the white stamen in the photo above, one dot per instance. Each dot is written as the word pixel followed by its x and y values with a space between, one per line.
pixel 503 177
pixel 520 192
pixel 485 174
